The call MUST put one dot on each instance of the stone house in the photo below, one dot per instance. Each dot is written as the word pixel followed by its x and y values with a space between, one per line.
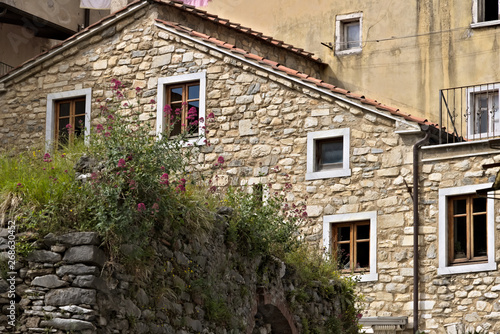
pixel 350 160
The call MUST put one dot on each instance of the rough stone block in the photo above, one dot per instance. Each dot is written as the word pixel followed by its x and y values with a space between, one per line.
pixel 48 281
pixel 77 269
pixel 70 296
pixel 44 256
pixel 87 254
pixel 90 281
pixel 79 238
pixel 68 324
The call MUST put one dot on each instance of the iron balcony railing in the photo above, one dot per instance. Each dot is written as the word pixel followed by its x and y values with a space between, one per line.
pixel 4 68
pixel 469 113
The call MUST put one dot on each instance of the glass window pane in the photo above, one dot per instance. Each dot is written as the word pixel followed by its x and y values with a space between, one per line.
pixel 344 256
pixel 363 254
pixel 460 237
pixel 64 109
pixel 79 125
pixel 459 206
pixel 80 107
pixel 363 232
pixel 352 34
pixel 176 94
pixel 192 120
pixel 63 132
pixel 174 119
pixel 479 230
pixel 344 233
pixel 331 151
pixel 490 10
pixel 479 204
pixel 193 92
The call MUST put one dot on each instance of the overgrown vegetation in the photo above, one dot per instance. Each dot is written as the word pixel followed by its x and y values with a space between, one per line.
pixel 129 185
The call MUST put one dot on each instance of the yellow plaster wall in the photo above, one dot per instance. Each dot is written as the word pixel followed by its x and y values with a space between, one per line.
pixel 411 49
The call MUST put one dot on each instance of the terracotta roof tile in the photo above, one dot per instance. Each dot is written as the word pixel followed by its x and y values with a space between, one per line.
pixel 355 96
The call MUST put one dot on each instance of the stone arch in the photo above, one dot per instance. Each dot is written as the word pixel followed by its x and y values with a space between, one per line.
pixel 272 310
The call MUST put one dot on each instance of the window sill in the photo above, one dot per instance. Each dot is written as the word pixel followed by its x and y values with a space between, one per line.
pixel 348 51
pixel 366 278
pixel 485 24
pixel 468 268
pixel 326 174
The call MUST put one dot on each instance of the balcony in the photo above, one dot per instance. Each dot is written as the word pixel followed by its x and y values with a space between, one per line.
pixel 4 68
pixel 469 113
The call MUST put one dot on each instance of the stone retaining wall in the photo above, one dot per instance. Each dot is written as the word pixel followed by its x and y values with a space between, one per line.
pixel 194 285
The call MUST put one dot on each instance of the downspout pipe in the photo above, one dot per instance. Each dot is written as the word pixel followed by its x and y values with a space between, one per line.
pixel 416 149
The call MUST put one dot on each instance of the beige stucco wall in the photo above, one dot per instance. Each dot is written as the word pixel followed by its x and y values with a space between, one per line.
pixel 433 45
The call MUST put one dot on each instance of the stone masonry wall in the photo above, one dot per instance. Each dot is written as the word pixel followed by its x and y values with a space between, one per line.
pixel 195 284
pixel 260 128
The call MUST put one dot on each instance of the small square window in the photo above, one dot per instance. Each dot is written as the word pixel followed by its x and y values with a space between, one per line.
pixel 466 231
pixel 181 106
pixel 328 154
pixel 348 33
pixel 184 103
pixel 483 111
pixel 351 238
pixel 68 117
pixel 485 13
pixel 351 245
pixel 70 120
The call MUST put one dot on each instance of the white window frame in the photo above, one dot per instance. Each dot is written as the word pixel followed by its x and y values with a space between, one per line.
pixel 161 101
pixel 352 217
pixel 340 48
pixel 50 125
pixel 475 16
pixel 493 127
pixel 444 268
pixel 312 137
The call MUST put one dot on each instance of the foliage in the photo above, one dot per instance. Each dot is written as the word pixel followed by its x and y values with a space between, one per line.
pixel 262 226
pixel 322 273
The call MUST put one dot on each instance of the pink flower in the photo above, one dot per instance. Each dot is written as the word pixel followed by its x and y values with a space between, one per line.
pixel 359 315
pixel 220 160
pixel 46 158
pixel 164 179
pixel 132 184
pixel 152 101
pixel 182 185
pixel 19 185
pixel 99 128
pixel 141 207
pixel 211 115
pixel 110 116
pixel 121 163
pixel 138 89
pixel 107 134
pixel 156 207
